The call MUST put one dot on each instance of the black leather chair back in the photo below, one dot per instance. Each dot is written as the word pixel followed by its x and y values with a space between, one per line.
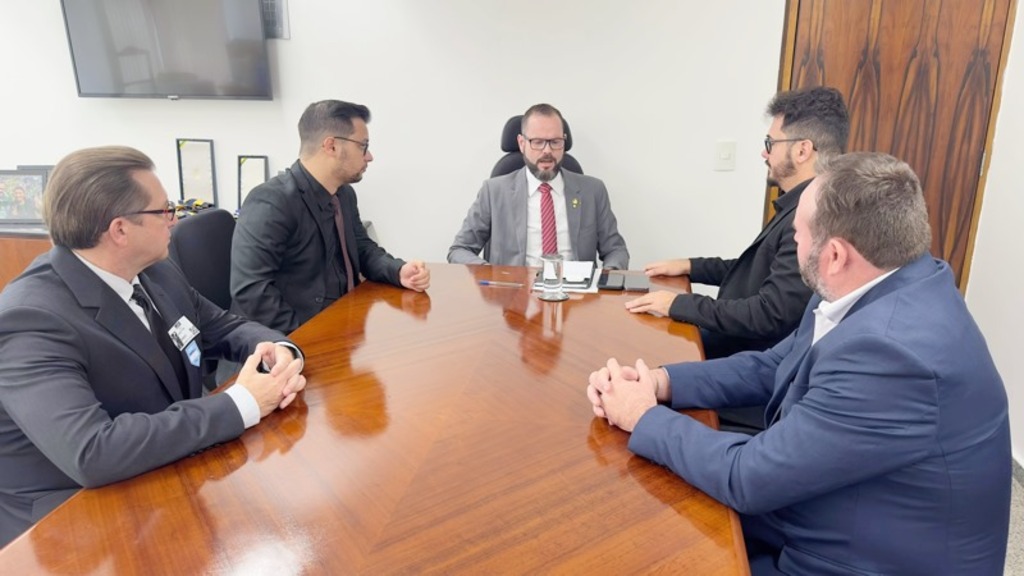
pixel 201 246
pixel 513 159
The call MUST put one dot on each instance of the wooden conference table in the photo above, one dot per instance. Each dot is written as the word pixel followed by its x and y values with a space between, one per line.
pixel 446 432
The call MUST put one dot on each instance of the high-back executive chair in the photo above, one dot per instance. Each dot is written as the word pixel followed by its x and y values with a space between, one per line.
pixel 513 159
pixel 201 246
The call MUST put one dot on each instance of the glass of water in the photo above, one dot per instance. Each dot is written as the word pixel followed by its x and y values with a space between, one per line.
pixel 551 278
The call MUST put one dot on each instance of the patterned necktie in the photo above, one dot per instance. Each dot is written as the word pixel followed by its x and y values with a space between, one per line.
pixel 339 223
pixel 548 234
pixel 159 329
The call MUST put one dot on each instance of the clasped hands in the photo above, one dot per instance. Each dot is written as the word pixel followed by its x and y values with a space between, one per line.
pixel 622 394
pixel 277 388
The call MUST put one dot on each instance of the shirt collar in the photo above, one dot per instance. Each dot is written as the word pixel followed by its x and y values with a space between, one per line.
pixel 835 311
pixel 532 183
pixel 309 184
pixel 789 198
pixel 119 285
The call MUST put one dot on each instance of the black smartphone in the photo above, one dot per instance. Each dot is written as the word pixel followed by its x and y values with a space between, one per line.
pixel 637 283
pixel 610 281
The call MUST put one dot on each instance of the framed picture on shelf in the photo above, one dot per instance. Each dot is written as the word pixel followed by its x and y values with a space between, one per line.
pixel 21 195
pixel 197 176
pixel 252 171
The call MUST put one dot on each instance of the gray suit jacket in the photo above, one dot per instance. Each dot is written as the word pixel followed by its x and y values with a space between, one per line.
pixel 87 396
pixel 497 221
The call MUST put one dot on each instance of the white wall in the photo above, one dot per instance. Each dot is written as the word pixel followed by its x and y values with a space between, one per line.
pixel 995 299
pixel 648 88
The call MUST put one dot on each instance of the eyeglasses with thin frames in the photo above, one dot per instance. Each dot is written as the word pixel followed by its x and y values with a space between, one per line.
pixel 365 145
pixel 168 211
pixel 769 142
pixel 540 143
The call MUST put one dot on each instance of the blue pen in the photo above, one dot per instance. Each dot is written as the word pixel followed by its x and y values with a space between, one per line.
pixel 502 284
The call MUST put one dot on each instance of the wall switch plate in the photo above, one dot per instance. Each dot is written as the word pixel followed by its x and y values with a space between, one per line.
pixel 725 155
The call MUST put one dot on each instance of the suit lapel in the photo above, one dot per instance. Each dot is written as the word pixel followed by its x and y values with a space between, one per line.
pixel 170 312
pixel 790 366
pixel 114 314
pixel 572 212
pixel 520 203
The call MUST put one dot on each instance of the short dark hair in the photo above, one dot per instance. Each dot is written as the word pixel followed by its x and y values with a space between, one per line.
pixel 88 189
pixel 874 202
pixel 328 118
pixel 540 110
pixel 818 114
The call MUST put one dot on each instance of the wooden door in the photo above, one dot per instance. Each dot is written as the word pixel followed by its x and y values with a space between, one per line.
pixel 920 78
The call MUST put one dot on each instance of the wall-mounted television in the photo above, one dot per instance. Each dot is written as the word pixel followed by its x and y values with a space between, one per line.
pixel 168 48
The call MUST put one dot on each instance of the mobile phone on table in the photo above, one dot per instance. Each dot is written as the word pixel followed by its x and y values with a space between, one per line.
pixel 610 281
pixel 637 283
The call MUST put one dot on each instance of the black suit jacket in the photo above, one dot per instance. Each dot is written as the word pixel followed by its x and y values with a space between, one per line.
pixel 88 397
pixel 285 251
pixel 761 295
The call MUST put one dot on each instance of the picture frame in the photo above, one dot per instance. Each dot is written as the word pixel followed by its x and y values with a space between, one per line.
pixel 21 195
pixel 197 174
pixel 252 171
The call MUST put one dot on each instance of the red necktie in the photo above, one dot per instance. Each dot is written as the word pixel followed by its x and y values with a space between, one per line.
pixel 339 223
pixel 548 234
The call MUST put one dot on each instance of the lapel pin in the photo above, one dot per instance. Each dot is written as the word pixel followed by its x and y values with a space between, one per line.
pixel 575 202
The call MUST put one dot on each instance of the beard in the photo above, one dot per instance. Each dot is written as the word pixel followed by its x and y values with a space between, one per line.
pixel 784 170
pixel 543 175
pixel 809 273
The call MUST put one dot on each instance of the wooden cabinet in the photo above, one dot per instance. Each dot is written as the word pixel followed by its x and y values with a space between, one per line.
pixel 18 251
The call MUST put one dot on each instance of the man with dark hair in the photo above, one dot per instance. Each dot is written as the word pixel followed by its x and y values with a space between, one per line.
pixel 760 296
pixel 101 341
pixel 888 445
pixel 540 209
pixel 300 243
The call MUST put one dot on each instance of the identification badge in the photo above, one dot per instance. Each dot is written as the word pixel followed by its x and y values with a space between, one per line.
pixel 192 350
pixel 183 332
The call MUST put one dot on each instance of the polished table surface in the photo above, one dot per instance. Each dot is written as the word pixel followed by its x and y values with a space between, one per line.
pixel 446 432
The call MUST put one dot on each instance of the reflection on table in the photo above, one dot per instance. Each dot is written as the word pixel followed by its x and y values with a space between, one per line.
pixel 442 432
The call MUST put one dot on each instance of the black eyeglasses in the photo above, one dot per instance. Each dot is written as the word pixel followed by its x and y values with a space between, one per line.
pixel 168 211
pixel 365 145
pixel 769 142
pixel 540 143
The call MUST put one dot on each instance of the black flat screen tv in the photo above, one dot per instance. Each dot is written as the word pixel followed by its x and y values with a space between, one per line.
pixel 168 48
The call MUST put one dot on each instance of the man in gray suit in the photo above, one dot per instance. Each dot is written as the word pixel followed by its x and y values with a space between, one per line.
pixel 541 208
pixel 101 342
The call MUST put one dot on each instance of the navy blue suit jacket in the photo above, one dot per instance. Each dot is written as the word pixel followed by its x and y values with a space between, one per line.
pixel 888 446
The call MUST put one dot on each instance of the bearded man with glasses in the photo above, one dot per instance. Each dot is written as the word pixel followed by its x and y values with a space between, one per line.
pixel 542 208
pixel 761 295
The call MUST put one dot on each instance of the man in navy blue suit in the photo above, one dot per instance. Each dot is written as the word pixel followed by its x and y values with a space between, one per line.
pixel 888 447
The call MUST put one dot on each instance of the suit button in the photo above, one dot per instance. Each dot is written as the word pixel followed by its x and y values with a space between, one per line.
pixel 318 300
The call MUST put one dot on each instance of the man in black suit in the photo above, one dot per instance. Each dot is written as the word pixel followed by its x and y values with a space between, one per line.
pixel 761 296
pixel 300 244
pixel 101 342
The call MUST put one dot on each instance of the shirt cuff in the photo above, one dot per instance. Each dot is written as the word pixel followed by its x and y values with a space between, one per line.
pixel 246 404
pixel 295 350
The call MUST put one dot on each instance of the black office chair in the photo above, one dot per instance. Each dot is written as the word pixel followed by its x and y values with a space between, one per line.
pixel 513 160
pixel 201 246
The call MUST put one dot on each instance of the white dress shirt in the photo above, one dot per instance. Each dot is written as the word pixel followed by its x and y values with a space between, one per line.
pixel 828 314
pixel 534 243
